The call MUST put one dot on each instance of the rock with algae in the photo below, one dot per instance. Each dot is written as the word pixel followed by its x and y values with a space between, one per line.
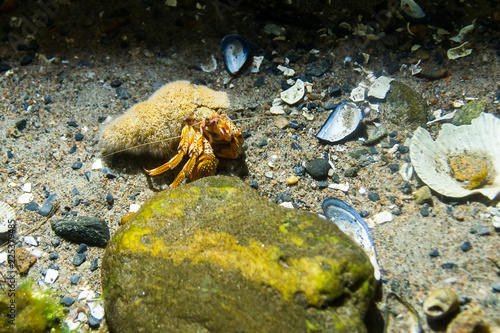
pixel 213 256
pixel 406 106
pixel 32 310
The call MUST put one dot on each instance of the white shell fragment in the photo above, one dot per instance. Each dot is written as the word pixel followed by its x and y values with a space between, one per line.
pixel 358 94
pixel 51 276
pixel 343 121
pixel 380 87
pixel 286 71
pixel 7 215
pixel 256 62
pixel 210 66
pixel 479 140
pixel 459 51
pixel 465 30
pixel 352 224
pixel 294 94
pixel 412 9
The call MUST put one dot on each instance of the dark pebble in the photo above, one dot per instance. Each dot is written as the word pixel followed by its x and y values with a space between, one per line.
pixel 10 154
pixel 294 124
pixel 101 119
pixel 403 149
pixel 482 230
pixel 54 267
pixel 373 196
pixel 336 178
pixel 48 205
pixel 26 60
pixel 282 197
pixel 296 146
pixel 335 91
pixel 351 172
pixel 318 168
pixel 473 231
pixel 466 246
pixel 259 82
pixel 94 265
pixel 122 93
pixel 496 287
pixel 116 83
pixel 67 301
pixel 323 185
pixel 262 143
pixel 254 184
pixel 53 256
pixel 47 100
pixel 434 253
pixel 108 174
pixel 75 191
pixel 77 201
pixel 246 134
pixel 330 107
pixel 449 265
pixel 31 206
pixel 56 242
pixel 75 279
pixel 21 125
pixel 406 188
pixel 88 175
pixel 79 137
pixel 393 167
pixel 72 123
pixel 424 212
pixel 72 150
pixel 109 198
pixel 4 67
pixel 299 170
pixel 93 323
pixel 364 213
pixel 77 165
pixel 318 69
pixel 79 258
pixel 82 248
pixel 91 231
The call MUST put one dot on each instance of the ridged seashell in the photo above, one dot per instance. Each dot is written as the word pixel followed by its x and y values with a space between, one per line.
pixel 441 303
pixel 7 214
pixel 235 50
pixel 343 122
pixel 352 224
pixel 479 141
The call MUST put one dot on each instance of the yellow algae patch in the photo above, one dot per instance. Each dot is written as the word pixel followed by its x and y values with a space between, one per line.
pixel 131 240
pixel 467 168
pixel 256 262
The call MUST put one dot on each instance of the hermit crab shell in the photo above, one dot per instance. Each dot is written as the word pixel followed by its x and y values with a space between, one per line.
pixel 480 140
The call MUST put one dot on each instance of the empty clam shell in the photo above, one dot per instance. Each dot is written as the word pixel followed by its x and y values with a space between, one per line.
pixel 343 122
pixel 441 303
pixel 235 50
pixel 351 223
pixel 475 146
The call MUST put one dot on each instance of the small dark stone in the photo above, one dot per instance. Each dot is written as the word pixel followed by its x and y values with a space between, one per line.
pixel 53 256
pixel 246 134
pixel 82 248
pixel 157 85
pixel 424 211
pixel 406 188
pixel 109 198
pixel 56 242
pixel 403 149
pixel 351 172
pixel 93 323
pixel 88 175
pixel 94 265
pixel 101 119
pixel 318 168
pixel 259 82
pixel 496 287
pixel 77 201
pixel 122 93
pixel 254 184
pixel 90 231
pixel 4 67
pixel 299 170
pixel 79 136
pixel 31 206
pixel 77 165
pixel 294 124
pixel 373 196
pixel 262 143
pixel 75 191
pixel 47 100
pixel 364 213
pixel 466 246
pixel 116 83
pixel 392 67
pixel 335 91
pixel 26 60
pixel 434 253
pixel 108 174
pixel 67 301
pixel 79 258
pixel 449 265
pixel 322 185
pixel 482 230
pixel 21 125
pixel 48 205
pixel 75 279
pixel 393 167
pixel 282 197
pixel 296 146
pixel 318 69
pixel 10 154
pixel 72 123
pixel 72 150
pixel 54 267
pixel 473 231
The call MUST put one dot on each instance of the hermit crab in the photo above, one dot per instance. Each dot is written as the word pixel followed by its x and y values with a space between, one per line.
pixel 189 114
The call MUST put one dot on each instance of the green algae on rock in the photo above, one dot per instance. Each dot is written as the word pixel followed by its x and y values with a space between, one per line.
pixel 213 256
pixel 468 112
pixel 406 106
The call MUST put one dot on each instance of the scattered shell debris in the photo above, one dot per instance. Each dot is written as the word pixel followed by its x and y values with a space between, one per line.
pixel 459 51
pixel 294 94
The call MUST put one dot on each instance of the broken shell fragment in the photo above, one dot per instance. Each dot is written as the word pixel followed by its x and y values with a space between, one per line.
pixel 352 224
pixel 462 161
pixel 459 51
pixel 343 122
pixel 441 303
pixel 380 87
pixel 235 50
pixel 412 9
pixel 294 94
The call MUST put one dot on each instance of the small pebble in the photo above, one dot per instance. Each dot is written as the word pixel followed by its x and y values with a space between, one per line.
pixel 262 143
pixel 116 83
pixel 67 301
pixel 30 241
pixel 466 246
pixel 422 195
pixel 94 265
pixel 449 265
pixel 75 279
pixel 82 248
pixel 53 256
pixel 393 167
pixel 496 287
pixel 299 170
pixel 54 267
pixel 108 174
pixel 79 137
pixel 77 165
pixel 88 175
pixel 259 82
pixel 364 213
pixel 482 230
pixel 293 180
pixel 351 172
pixel 109 198
pixel 406 188
pixel 373 196
pixel 296 146
pixel 93 323
pixel 434 253
pixel 424 211
pixel 72 123
pixel 318 168
pixel 335 90
pixel 79 258
pixel 322 185
pixel 48 205
pixel 122 93
pixel 254 184
pixel 56 242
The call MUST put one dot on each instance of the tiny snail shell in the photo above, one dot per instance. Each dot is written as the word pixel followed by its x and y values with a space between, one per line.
pixel 441 303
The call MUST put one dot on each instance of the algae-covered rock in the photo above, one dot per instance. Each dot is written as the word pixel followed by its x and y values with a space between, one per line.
pixel 213 256
pixel 468 112
pixel 406 106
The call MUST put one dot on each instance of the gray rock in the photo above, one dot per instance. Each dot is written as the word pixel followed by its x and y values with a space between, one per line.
pixel 318 168
pixel 91 231
pixel 48 205
pixel 79 258
pixel 67 301
pixel 406 106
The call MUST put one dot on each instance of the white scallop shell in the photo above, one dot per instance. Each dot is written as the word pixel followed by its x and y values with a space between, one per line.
pixel 7 214
pixel 430 158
